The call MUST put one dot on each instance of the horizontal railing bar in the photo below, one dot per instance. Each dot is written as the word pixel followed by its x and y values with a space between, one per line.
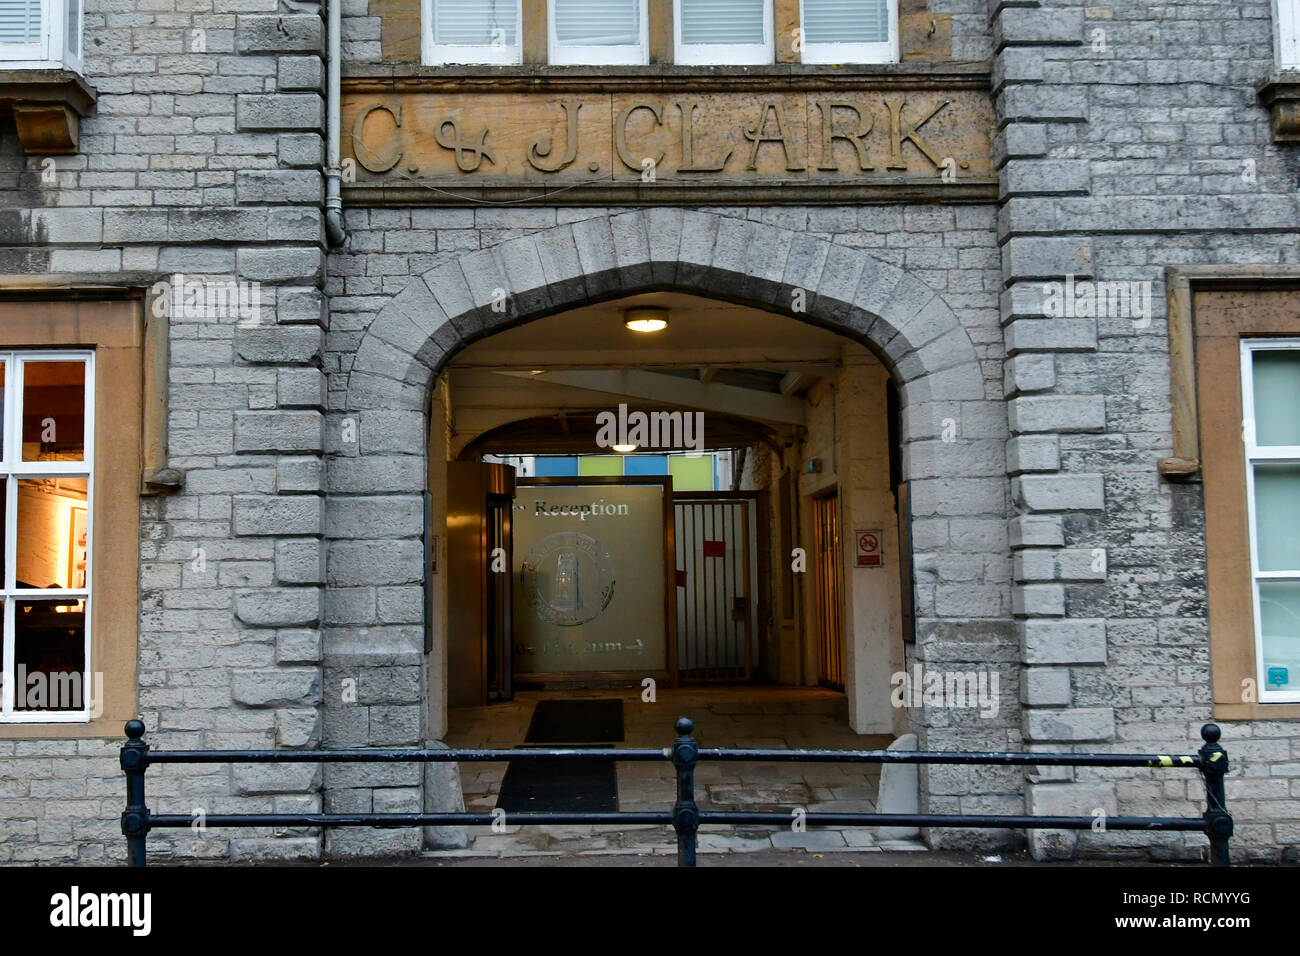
pixel 957 820
pixel 382 820
pixel 728 756
pixel 614 818
pixel 951 757
pixel 401 756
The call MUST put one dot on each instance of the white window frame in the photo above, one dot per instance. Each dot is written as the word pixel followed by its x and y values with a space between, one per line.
pixel 13 468
pixel 452 54
pixel 1286 47
pixel 1281 454
pixel 559 54
pixel 723 54
pixel 884 52
pixel 51 50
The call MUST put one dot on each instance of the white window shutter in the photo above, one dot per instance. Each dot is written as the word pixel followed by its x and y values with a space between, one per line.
pixel 723 22
pixel 475 23
pixel 845 21
pixel 597 22
pixel 20 22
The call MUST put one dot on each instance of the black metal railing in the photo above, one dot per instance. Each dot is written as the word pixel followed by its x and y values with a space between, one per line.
pixel 685 816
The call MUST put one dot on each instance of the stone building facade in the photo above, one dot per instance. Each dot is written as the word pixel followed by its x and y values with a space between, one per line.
pixel 1059 527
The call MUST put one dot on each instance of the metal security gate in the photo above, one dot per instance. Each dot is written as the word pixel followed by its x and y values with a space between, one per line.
pixel 829 571
pixel 717 609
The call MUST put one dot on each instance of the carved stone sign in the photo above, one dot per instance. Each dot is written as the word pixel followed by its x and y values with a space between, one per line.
pixel 578 147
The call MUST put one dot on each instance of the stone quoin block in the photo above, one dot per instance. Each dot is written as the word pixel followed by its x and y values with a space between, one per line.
pixel 278 515
pixel 1057 413
pixel 279 607
pixel 279 687
pixel 279 33
pixel 1045 641
pixel 1070 726
pixel 1059 492
pixel 1046 687
pixel 282 432
pixel 1033 453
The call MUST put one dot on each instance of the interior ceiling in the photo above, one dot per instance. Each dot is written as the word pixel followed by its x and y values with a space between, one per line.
pixel 701 333
pixel 536 388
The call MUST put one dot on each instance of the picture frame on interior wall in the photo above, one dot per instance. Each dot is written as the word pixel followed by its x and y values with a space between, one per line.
pixel 598 32
pixel 693 24
pixel 863 22
pixel 480 32
pixel 41 34
pixel 1287 34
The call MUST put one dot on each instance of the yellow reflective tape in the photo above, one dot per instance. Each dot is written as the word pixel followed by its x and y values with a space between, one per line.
pixel 1166 761
pixel 1187 761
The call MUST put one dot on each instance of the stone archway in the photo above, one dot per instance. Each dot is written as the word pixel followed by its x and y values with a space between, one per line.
pixel 844 289
pixel 954 430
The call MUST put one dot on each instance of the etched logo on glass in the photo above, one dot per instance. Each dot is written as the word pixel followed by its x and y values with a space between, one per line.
pixel 568 578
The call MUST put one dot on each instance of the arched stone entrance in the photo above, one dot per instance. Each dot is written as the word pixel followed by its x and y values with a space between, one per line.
pixel 953 429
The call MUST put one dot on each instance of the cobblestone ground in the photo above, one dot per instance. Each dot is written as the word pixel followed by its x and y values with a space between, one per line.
pixel 784 717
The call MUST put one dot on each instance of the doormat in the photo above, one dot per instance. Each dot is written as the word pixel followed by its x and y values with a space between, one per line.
pixel 557 786
pixel 576 722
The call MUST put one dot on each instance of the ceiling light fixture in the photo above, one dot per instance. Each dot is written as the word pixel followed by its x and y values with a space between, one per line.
pixel 624 449
pixel 646 318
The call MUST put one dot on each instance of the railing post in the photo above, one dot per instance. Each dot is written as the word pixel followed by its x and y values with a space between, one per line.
pixel 135 819
pixel 686 815
pixel 1218 821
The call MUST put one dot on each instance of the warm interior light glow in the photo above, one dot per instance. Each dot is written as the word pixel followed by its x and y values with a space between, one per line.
pixel 646 319
pixel 624 449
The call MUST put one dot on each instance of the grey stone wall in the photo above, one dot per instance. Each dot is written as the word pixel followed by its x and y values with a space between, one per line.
pixel 1129 131
pixel 202 157
pixel 280 605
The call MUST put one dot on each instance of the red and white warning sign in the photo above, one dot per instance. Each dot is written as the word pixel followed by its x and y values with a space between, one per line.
pixel 868 543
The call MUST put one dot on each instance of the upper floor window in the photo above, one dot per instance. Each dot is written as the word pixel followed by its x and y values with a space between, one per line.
pixel 849 31
pixel 598 32
pixel 471 31
pixel 723 31
pixel 40 34
pixel 1288 34
pixel 1270 397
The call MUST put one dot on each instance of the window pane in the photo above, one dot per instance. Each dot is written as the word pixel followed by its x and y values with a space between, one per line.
pixel 600 465
pixel 54 411
pixel 475 22
pixel 74 27
pixel 723 21
pixel 51 550
pixel 561 467
pixel 20 21
pixel 1279 617
pixel 691 474
pixel 598 22
pixel 4 368
pixel 646 465
pixel 1277 396
pixel 49 655
pixel 846 21
pixel 1277 516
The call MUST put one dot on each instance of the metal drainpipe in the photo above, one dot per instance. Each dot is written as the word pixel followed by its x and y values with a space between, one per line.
pixel 334 230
